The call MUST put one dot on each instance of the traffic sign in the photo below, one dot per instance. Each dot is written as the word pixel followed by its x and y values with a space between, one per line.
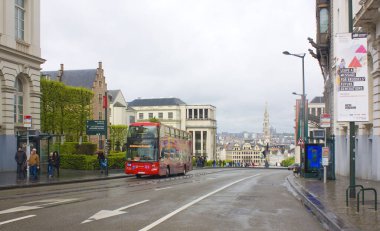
pixel 301 142
pixel 325 120
pixel 27 121
pixel 95 127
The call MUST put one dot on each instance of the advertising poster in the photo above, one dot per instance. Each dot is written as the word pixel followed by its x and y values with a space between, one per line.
pixel 351 77
pixel 313 157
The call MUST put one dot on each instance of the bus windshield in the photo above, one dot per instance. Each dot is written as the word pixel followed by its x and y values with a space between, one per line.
pixel 142 150
pixel 142 132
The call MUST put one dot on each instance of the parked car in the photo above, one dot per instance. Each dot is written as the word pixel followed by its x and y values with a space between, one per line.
pixel 295 165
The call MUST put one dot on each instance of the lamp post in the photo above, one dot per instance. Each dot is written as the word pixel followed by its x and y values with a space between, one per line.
pixel 304 134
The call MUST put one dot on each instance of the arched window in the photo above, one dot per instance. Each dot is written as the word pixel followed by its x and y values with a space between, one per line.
pixel 19 102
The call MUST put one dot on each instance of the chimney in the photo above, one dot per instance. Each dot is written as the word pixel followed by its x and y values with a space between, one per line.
pixel 100 65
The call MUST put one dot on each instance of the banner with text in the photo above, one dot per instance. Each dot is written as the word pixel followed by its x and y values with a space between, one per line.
pixel 351 77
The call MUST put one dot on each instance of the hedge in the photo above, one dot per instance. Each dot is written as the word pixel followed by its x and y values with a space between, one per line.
pixel 90 162
pixel 76 148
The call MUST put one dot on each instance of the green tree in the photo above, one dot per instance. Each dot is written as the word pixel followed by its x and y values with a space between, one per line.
pixel 118 135
pixel 64 109
pixel 287 162
pixel 154 120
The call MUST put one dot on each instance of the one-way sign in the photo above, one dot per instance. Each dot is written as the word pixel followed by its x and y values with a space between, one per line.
pixel 95 127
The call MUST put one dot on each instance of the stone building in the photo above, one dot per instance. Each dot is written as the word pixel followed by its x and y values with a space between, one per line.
pixel 316 108
pixel 332 20
pixel 245 153
pixel 20 61
pixel 199 120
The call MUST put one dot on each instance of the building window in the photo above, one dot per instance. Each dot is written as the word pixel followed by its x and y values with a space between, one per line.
pixel 20 19
pixel 195 113
pixel 131 119
pixel 100 99
pixel 323 20
pixel 170 115
pixel 160 115
pixel 200 113
pixel 150 115
pixel 100 115
pixel 141 116
pixel 190 113
pixel 19 102
pixel 206 113
pixel 100 83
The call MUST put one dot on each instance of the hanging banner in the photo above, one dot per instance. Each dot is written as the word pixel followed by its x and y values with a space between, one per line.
pixel 351 77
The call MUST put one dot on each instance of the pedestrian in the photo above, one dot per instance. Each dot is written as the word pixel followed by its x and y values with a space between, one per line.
pixel 20 158
pixel 56 161
pixel 50 165
pixel 102 161
pixel 34 164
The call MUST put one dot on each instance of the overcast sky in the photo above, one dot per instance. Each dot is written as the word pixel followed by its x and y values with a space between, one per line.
pixel 227 53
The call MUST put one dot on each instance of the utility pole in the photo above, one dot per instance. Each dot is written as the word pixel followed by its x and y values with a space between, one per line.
pixel 352 124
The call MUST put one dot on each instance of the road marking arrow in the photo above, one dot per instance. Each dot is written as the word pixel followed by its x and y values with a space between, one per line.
pixel 110 213
pixel 19 209
pixel 36 205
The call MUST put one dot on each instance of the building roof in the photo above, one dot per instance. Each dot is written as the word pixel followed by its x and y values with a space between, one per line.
pixel 113 94
pixel 318 99
pixel 156 102
pixel 75 78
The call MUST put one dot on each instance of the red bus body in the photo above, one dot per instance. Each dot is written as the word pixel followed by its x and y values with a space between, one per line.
pixel 156 149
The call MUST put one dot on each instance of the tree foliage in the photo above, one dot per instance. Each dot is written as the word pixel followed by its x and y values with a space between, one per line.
pixel 64 109
pixel 288 161
pixel 118 135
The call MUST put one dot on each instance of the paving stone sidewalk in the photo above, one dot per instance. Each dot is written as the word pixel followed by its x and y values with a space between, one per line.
pixel 329 202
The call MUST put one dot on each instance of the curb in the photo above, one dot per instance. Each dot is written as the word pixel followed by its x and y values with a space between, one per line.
pixel 38 184
pixel 319 210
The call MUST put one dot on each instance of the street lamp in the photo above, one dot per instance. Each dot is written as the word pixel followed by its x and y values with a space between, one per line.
pixel 303 96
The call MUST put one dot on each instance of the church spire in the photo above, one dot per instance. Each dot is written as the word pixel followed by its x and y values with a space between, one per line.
pixel 266 126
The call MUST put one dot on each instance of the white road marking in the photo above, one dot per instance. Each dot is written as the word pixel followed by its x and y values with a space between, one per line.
pixel 19 209
pixel 158 189
pixel 53 201
pixel 110 213
pixel 162 219
pixel 16 219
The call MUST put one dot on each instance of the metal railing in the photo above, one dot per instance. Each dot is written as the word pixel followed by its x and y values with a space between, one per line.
pixel 363 190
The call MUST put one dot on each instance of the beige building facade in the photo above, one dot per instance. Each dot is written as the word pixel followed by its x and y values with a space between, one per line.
pixel 246 153
pixel 20 61
pixel 332 20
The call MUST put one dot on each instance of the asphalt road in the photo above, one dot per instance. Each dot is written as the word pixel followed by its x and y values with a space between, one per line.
pixel 211 199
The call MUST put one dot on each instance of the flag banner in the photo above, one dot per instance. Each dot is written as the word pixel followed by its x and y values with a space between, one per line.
pixel 351 77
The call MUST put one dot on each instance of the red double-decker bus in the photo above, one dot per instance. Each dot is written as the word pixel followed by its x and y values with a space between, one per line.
pixel 157 149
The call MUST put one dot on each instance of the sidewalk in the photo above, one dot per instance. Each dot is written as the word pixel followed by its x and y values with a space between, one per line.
pixel 9 180
pixel 328 203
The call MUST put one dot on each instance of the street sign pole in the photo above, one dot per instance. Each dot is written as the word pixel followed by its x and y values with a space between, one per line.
pixel 106 148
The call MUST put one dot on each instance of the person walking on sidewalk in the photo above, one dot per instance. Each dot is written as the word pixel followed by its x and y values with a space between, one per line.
pixel 20 158
pixel 102 161
pixel 56 161
pixel 34 164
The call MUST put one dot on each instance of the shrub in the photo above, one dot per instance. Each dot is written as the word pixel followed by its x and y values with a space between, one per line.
pixel 90 162
pixel 76 148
